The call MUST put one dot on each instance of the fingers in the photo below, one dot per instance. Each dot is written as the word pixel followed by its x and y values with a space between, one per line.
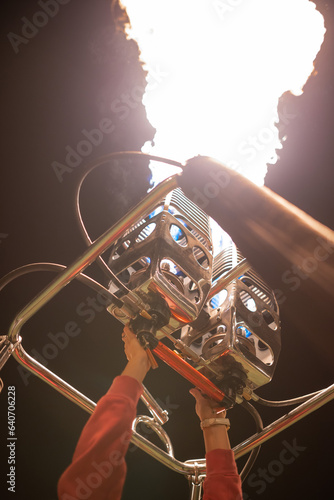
pixel 126 331
pixel 197 394
pixel 206 405
pixel 127 334
pixel 127 337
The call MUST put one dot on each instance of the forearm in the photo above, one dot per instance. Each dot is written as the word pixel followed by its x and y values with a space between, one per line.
pixel 222 480
pixel 137 368
pixel 216 437
pixel 103 444
pixel 138 362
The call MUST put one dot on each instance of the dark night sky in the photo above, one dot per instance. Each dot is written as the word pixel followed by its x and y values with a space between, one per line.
pixel 62 81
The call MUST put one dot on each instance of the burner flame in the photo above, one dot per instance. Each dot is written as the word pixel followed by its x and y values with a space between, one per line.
pixel 216 71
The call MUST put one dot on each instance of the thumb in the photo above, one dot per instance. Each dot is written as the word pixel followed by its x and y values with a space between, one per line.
pixel 195 393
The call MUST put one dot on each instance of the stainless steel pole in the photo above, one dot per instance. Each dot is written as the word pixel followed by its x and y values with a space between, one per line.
pixel 99 246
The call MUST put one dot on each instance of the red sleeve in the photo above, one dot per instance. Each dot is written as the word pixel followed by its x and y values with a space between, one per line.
pixel 222 480
pixel 98 467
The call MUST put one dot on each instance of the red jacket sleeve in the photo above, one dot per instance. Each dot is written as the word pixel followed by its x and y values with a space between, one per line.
pixel 222 480
pixel 98 467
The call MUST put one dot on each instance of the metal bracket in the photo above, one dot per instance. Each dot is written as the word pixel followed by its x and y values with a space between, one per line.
pixel 11 345
pixel 6 349
pixel 156 427
pixel 159 415
pixel 191 468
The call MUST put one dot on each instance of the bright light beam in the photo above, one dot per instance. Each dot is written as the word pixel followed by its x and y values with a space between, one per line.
pixel 216 70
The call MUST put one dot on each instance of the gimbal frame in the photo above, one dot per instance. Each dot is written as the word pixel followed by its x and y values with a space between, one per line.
pixel 11 345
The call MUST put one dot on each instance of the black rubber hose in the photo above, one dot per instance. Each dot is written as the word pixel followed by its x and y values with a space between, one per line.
pixel 255 451
pixel 47 266
pixel 89 168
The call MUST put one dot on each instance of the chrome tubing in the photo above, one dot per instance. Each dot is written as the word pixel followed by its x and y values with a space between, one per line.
pixel 163 457
pixel 98 247
pixel 6 350
pixel 286 421
pixel 160 432
pixel 53 380
pixel 196 491
pixel 191 467
pixel 159 415
pixel 86 404
pixel 226 279
pixel 314 403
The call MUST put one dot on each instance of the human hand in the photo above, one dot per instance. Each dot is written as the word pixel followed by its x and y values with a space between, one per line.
pixel 132 347
pixel 205 407
pixel 138 362
pixel 215 437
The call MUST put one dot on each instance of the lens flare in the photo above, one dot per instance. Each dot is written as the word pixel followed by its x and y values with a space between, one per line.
pixel 216 70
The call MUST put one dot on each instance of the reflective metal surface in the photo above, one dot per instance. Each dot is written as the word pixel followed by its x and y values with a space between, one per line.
pixel 156 427
pixel 160 415
pixel 293 252
pixel 101 244
pixel 162 251
pixel 242 335
pixel 196 490
pixel 191 467
pixel 167 253
pixel 240 268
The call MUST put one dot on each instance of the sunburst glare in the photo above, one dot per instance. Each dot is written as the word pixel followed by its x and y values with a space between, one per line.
pixel 216 70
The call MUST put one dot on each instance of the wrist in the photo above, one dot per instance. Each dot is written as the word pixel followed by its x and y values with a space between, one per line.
pixel 210 422
pixel 215 437
pixel 137 367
